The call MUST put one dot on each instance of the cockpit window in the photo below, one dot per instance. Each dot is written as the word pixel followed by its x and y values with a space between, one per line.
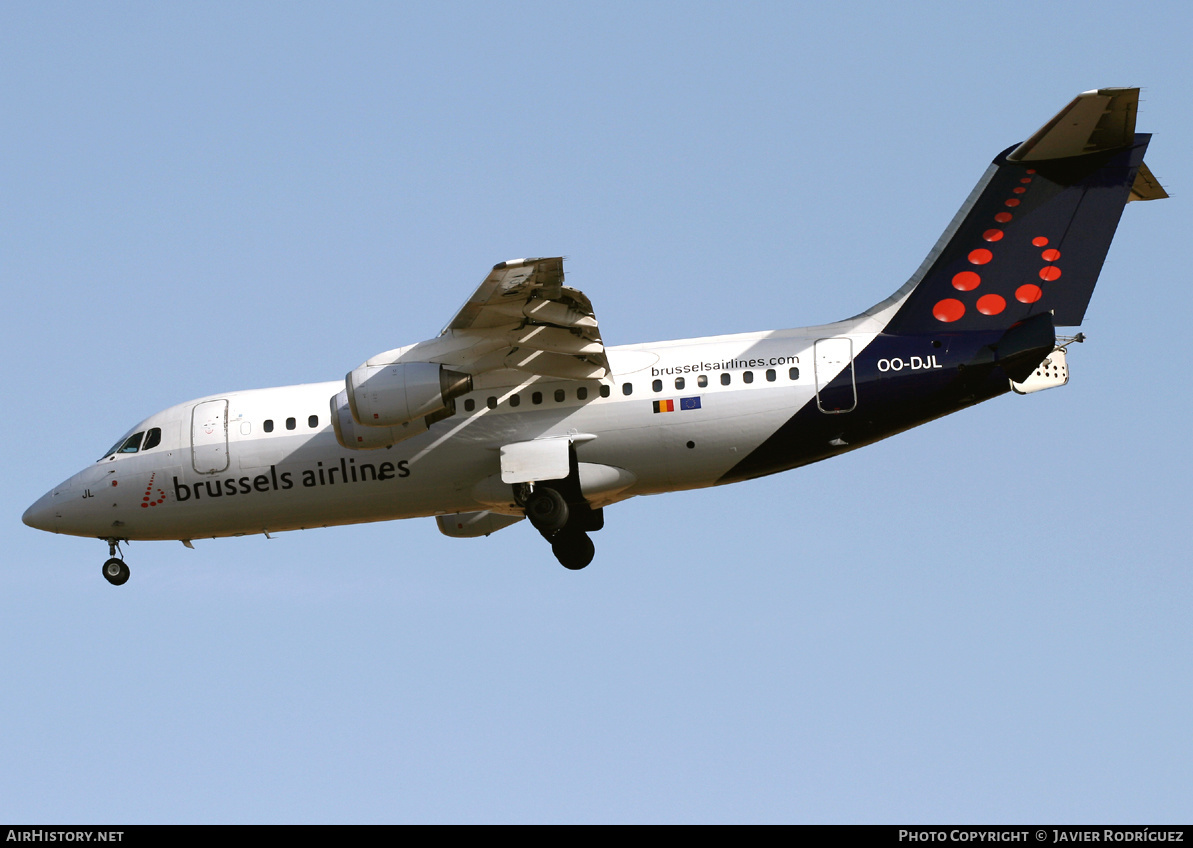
pixel 153 438
pixel 132 444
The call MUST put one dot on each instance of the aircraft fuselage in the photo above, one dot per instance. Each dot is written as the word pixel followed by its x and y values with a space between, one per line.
pixel 674 415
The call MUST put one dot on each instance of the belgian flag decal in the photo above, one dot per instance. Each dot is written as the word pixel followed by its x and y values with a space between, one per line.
pixel 684 404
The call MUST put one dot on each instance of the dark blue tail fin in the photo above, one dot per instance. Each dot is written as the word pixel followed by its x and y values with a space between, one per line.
pixel 1034 233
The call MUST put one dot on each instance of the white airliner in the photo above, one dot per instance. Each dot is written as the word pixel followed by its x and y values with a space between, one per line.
pixel 518 410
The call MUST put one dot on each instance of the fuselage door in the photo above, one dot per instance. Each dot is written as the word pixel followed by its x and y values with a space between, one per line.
pixel 836 388
pixel 209 436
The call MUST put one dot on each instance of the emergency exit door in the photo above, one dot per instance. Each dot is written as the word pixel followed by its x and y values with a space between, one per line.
pixel 836 389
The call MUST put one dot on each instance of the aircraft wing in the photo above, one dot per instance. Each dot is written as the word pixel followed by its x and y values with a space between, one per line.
pixel 523 317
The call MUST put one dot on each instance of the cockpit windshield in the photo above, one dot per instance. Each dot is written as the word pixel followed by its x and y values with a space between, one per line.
pixel 132 443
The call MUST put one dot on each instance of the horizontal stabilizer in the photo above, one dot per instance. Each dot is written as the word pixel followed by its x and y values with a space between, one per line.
pixel 1103 119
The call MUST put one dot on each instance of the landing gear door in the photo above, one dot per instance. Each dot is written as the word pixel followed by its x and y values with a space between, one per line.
pixel 209 436
pixel 540 459
pixel 836 388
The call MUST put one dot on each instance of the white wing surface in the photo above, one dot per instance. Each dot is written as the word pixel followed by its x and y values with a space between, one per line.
pixel 522 317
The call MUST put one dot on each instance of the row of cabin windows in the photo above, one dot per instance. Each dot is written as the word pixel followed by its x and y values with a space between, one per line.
pixel 153 437
pixel 560 395
pixel 536 398
pixel 726 379
pixel 291 423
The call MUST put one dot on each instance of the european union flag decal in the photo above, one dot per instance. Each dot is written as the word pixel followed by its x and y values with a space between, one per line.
pixel 689 403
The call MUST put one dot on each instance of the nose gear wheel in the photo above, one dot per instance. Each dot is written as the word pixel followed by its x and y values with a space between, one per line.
pixel 116 572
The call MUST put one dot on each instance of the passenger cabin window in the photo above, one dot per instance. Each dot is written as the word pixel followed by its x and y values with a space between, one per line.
pixel 313 421
pixel 748 377
pixel 291 423
pixel 725 379
pixel 153 438
pixel 627 388
pixel 268 425
pixel 515 400
pixel 793 373
pixel 679 382
pixel 560 395
pixel 536 398
pixel 582 393
pixel 657 385
pixel 604 390
pixel 469 405
pixel 770 375
pixel 702 380
pixel 491 402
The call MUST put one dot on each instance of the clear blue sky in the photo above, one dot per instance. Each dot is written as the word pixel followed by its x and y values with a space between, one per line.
pixel 983 620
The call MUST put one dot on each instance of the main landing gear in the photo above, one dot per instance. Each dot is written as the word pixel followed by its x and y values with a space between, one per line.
pixel 565 525
pixel 115 571
pixel 573 549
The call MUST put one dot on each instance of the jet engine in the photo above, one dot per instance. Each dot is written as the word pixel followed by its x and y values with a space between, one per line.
pixel 396 394
pixel 355 437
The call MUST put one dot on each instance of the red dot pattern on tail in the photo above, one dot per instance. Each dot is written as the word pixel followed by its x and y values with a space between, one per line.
pixel 1028 293
pixel 948 310
pixel 966 281
pixel 991 304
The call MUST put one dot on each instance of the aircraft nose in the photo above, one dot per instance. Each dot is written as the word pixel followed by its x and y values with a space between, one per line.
pixel 42 515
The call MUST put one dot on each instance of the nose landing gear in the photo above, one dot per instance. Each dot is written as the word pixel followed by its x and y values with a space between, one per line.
pixel 114 570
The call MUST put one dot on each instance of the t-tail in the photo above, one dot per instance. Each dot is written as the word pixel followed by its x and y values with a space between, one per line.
pixel 979 316
pixel 1033 235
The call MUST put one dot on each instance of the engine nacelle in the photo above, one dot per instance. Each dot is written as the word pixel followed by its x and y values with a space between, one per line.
pixel 393 395
pixel 355 437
